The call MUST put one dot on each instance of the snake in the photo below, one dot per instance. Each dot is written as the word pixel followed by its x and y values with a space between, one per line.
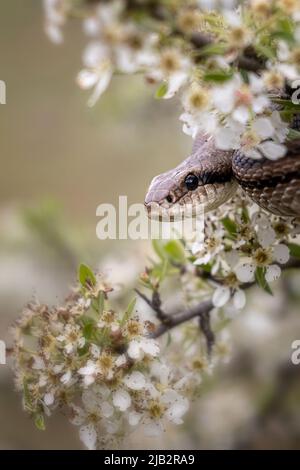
pixel 209 177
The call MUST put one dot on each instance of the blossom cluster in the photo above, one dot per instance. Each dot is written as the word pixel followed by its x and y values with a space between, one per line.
pixel 242 246
pixel 102 369
pixel 103 366
pixel 227 60
pixel 110 372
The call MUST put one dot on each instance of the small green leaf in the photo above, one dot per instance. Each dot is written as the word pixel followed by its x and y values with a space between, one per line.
pixel 260 278
pixel 39 422
pixel 164 270
pixel 285 30
pixel 128 311
pixel 159 249
pixel 86 276
pixel 265 51
pixel 98 303
pixel 218 76
pixel 293 134
pixel 175 250
pixel 230 226
pixel 168 342
pixel 206 267
pixel 287 105
pixel 294 250
pixel 83 351
pixel 245 215
pixel 161 90
pixel 88 330
pixel 213 49
pixel 245 76
pixel 27 396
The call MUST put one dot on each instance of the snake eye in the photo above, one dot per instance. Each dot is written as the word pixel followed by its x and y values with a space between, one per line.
pixel 169 199
pixel 191 182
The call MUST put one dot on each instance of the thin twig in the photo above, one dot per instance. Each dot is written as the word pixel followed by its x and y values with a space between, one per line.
pixel 155 304
pixel 202 310
pixel 205 326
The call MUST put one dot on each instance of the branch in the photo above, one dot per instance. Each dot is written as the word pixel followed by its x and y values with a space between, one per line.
pixel 169 321
pixel 155 304
pixel 202 310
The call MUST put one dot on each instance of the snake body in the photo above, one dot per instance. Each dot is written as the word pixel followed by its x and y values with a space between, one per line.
pixel 273 185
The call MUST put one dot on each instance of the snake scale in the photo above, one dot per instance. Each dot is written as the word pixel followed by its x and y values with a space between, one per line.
pixel 209 177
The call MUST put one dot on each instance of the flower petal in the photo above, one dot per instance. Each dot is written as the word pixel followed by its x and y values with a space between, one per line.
pixel 135 381
pixel 88 436
pixel 272 273
pixel 239 299
pixel 121 400
pixel 221 296
pixel 245 272
pixel 281 253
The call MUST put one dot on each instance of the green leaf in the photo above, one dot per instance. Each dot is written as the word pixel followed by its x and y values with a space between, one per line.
pixel 161 90
pixel 27 396
pixel 175 250
pixel 230 226
pixel 293 134
pixel 159 249
pixel 245 76
pixel 164 269
pixel 265 51
pixel 285 30
pixel 288 105
pixel 260 278
pixel 206 267
pixel 98 303
pixel 218 76
pixel 245 215
pixel 213 49
pixel 39 422
pixel 84 350
pixel 88 330
pixel 294 250
pixel 86 276
pixel 128 312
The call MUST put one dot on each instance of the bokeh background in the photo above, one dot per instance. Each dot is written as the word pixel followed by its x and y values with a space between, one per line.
pixel 59 161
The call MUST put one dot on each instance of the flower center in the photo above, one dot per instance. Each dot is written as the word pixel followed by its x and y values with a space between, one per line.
pixel 262 257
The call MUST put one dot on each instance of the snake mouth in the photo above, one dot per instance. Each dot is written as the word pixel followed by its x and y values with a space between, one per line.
pixel 176 212
pixel 206 198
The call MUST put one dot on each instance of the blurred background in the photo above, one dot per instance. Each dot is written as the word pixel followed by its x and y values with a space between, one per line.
pixel 59 161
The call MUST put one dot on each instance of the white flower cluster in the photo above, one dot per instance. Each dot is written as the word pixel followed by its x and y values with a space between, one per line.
pixel 247 246
pixel 220 92
pixel 102 368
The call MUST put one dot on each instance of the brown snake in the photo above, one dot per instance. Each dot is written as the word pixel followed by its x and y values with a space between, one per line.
pixel 209 177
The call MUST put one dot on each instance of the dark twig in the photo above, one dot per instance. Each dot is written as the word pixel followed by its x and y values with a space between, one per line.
pixel 202 310
pixel 155 304
pixel 205 326
pixel 170 320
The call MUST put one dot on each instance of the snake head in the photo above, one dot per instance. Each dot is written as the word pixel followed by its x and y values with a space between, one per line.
pixel 169 197
pixel 200 183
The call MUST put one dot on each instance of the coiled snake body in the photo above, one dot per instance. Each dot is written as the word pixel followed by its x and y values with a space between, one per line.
pixel 209 177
